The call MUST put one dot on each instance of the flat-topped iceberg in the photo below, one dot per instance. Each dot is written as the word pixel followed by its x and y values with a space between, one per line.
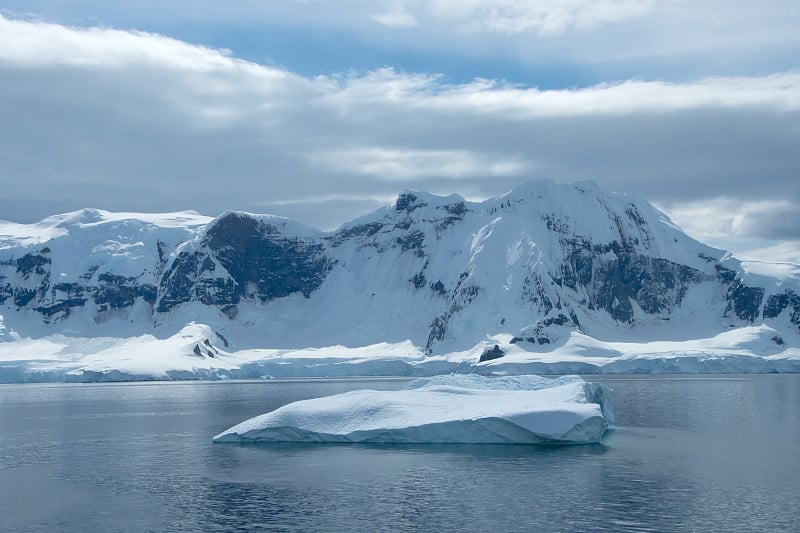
pixel 451 409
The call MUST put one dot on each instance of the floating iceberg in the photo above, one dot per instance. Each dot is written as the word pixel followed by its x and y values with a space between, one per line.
pixel 443 409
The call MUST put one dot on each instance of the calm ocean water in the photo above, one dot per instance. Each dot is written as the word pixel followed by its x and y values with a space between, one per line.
pixel 690 453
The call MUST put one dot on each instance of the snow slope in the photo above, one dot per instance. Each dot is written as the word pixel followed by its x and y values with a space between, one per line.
pixel 445 409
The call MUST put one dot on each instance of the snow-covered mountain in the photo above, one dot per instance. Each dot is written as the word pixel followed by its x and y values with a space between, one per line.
pixel 531 271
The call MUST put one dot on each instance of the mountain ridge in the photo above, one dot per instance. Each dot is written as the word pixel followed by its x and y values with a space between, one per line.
pixel 535 264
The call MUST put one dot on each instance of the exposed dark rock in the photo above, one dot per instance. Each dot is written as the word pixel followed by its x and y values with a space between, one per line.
pixel 259 262
pixel 462 297
pixel 725 275
pixel 615 275
pixel 404 224
pixel 455 213
pixel 419 280
pixel 222 338
pixel 32 263
pixel 574 318
pixel 162 252
pixel 541 334
pixel 556 224
pixel 363 231
pixel 490 354
pixel 23 296
pixel 778 303
pixel 438 287
pixel 458 209
pixel 437 333
pixel 412 241
pixel 744 301
pixel 70 289
pixel 63 308
pixel 116 292
pixel 188 280
pixel 635 216
pixel 504 205
pixel 89 273
pixel 559 320
pixel 408 202
pixel 57 300
pixel 532 340
pixel 6 291
pixel 533 290
pixel 67 291
pixel 231 311
pixel 210 350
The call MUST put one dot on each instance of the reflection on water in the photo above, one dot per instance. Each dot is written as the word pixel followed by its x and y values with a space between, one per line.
pixel 689 454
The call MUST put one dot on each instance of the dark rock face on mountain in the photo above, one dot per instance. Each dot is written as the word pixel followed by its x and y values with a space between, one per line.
pixel 628 278
pixel 33 270
pixel 788 302
pixel 36 289
pixel 535 264
pixel 241 257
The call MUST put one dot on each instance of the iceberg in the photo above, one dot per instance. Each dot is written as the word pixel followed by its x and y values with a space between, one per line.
pixel 448 409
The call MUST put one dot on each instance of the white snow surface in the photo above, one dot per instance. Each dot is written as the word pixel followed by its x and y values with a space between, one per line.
pixel 14 235
pixel 446 409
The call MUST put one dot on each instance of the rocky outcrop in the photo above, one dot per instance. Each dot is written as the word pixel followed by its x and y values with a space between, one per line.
pixel 240 258
pixel 787 301
pixel 489 354
pixel 617 275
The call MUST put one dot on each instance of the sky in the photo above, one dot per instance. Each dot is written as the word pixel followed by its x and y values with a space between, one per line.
pixel 324 110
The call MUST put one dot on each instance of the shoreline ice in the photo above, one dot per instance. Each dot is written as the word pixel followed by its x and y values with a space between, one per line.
pixel 196 353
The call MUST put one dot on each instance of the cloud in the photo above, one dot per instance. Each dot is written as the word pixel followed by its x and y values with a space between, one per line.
pixel 726 217
pixel 396 18
pixel 327 198
pixel 38 44
pixel 541 16
pixel 788 251
pixel 136 121
pixel 780 92
pixel 609 28
pixel 396 164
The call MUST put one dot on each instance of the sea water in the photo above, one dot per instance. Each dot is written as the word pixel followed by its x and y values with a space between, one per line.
pixel 689 453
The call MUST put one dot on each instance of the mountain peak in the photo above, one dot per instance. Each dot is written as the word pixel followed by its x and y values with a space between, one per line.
pixel 268 223
pixel 409 200
pixel 554 189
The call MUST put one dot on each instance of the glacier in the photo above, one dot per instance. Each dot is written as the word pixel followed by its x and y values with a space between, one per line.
pixel 446 409
pixel 195 352
pixel 550 278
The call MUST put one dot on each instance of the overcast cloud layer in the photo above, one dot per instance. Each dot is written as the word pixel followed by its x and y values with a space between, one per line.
pixel 136 121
